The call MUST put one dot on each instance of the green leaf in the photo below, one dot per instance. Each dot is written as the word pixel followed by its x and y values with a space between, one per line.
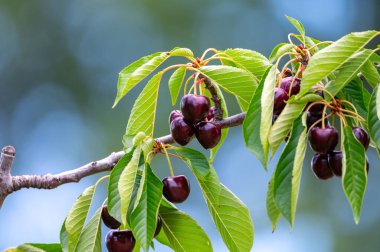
pixel 370 73
pixel 230 215
pixel 374 116
pixel 280 50
pixel 77 216
pixel 249 60
pixel 358 95
pixel 90 238
pixel 175 83
pixel 297 24
pixel 144 216
pixel 273 212
pixel 180 232
pixel 288 171
pixel 283 124
pixel 64 237
pixel 251 125
pixel 130 76
pixel 184 52
pixel 233 80
pixel 113 204
pixel 348 71
pixel 326 61
pixel 127 182
pixel 354 178
pixel 144 111
pixel 37 247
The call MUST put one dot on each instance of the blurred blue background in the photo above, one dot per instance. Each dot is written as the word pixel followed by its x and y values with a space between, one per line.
pixel 59 62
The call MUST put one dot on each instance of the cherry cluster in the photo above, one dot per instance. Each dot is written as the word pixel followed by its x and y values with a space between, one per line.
pixel 196 117
pixel 121 240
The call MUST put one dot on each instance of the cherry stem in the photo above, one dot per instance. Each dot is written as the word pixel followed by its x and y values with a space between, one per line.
pixel 357 116
pixel 174 66
pixel 320 43
pixel 169 162
pixel 187 83
pixel 284 67
pixel 295 76
pixel 323 116
pixel 208 50
pixel 319 120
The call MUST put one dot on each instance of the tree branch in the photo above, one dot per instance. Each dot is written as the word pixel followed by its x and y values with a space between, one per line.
pixel 10 184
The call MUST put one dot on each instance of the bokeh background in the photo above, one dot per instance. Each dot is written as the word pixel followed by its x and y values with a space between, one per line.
pixel 59 62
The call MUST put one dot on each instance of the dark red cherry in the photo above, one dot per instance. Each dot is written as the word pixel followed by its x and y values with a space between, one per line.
pixel 176 189
pixel 195 108
pixel 174 114
pixel 210 115
pixel 323 140
pixel 108 220
pixel 158 226
pixel 274 118
pixel 280 98
pixel 311 119
pixel 317 109
pixel 120 241
pixel 181 132
pixel 335 162
pixel 320 166
pixel 287 82
pixel 208 134
pixel 362 136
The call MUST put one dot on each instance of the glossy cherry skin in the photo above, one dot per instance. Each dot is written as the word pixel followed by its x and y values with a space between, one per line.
pixel 317 109
pixel 174 114
pixel 181 131
pixel 280 98
pixel 158 226
pixel 208 134
pixel 210 115
pixel 311 119
pixel 176 189
pixel 194 108
pixel 323 140
pixel 120 241
pixel 286 82
pixel 335 162
pixel 108 220
pixel 320 166
pixel 362 136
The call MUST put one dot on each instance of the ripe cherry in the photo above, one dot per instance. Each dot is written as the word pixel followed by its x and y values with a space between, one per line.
pixel 287 82
pixel 120 241
pixel 280 98
pixel 317 109
pixel 311 119
pixel 158 226
pixel 108 220
pixel 362 136
pixel 210 115
pixel 323 140
pixel 181 132
pixel 176 188
pixel 174 114
pixel 335 162
pixel 320 166
pixel 194 107
pixel 208 134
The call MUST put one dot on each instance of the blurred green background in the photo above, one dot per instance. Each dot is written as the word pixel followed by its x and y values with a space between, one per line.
pixel 59 62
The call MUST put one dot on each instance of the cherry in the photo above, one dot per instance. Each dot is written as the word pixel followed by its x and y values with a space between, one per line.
pixel 120 241
pixel 280 98
pixel 176 188
pixel 317 109
pixel 320 166
pixel 323 140
pixel 194 107
pixel 174 114
pixel 158 226
pixel 335 162
pixel 208 134
pixel 286 82
pixel 311 119
pixel 362 136
pixel 181 132
pixel 274 118
pixel 210 115
pixel 108 220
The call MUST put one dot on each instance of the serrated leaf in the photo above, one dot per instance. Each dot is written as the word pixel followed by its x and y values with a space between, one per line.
pixel 144 216
pixel 358 95
pixel 370 73
pixel 354 178
pixel 127 182
pixel 90 238
pixel 283 124
pixel 144 111
pixel 297 24
pixel 36 247
pixel 374 116
pixel 280 50
pixel 182 232
pixel 175 83
pixel 184 52
pixel 288 171
pixel 77 216
pixel 230 215
pixel 273 212
pixel 326 61
pixel 233 80
pixel 249 60
pixel 251 125
pixel 130 76
pixel 348 71
pixel 113 204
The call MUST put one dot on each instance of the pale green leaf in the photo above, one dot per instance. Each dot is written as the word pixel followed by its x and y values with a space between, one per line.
pixel 374 116
pixel 280 50
pixel 357 94
pixel 175 83
pixel 36 247
pixel 354 178
pixel 370 73
pixel 297 24
pixel 184 52
pixel 273 212
pixel 90 238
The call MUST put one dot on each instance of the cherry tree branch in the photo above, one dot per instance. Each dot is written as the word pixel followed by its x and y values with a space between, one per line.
pixel 10 184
